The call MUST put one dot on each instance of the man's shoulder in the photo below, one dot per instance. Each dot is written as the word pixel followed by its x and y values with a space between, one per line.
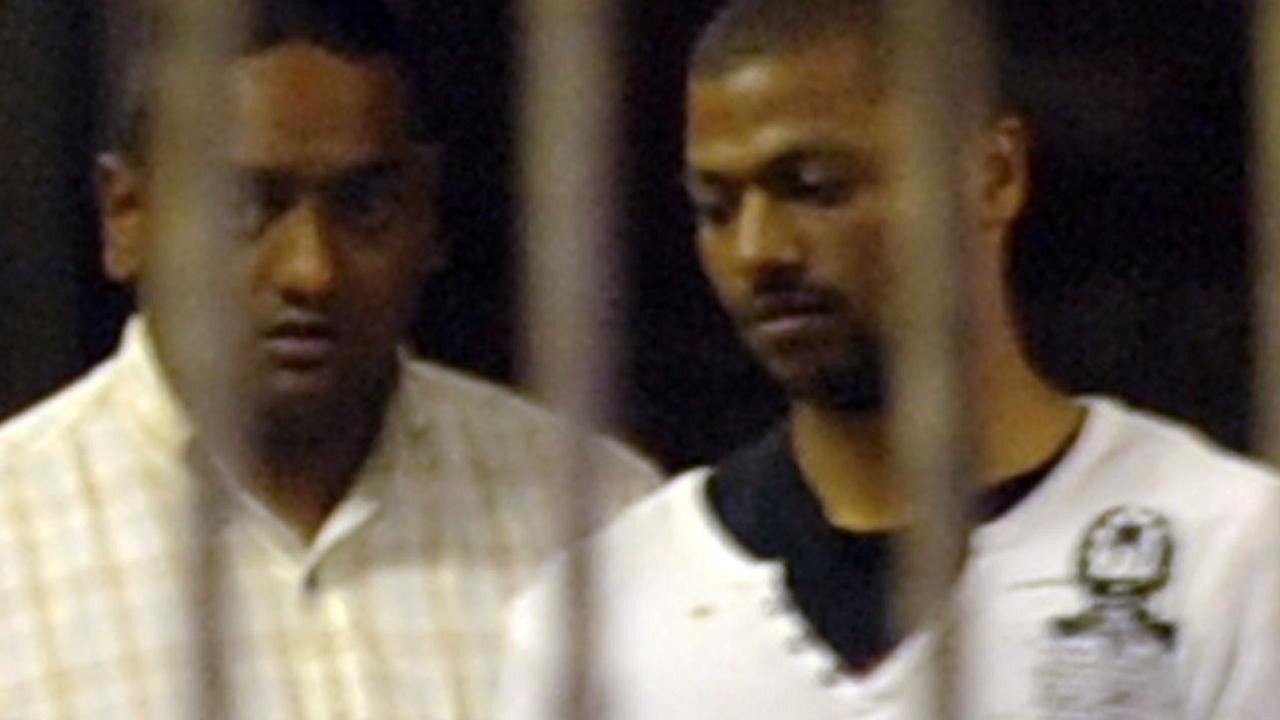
pixel 667 543
pixel 57 418
pixel 501 418
pixel 429 381
pixel 53 457
pixel 678 513
pixel 1161 452
pixel 673 601
pixel 1138 460
pixel 519 455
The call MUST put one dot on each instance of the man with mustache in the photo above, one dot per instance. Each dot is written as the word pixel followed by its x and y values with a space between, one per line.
pixel 1121 567
pixel 370 514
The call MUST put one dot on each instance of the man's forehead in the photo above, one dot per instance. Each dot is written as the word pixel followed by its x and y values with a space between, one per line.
pixel 300 103
pixel 818 101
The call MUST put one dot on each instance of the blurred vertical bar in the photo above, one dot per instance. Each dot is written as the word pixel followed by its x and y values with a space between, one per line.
pixel 569 279
pixel 43 91
pixel 189 186
pixel 940 83
pixel 1266 224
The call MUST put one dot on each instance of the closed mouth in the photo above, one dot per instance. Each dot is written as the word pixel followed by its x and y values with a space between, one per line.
pixel 781 306
pixel 300 344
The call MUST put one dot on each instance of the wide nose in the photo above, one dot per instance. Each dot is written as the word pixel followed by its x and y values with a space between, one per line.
pixel 303 264
pixel 764 237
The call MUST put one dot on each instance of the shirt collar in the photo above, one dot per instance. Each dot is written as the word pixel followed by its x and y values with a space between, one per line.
pixel 147 394
pixel 376 478
pixel 375 481
pixel 159 413
pixel 759 493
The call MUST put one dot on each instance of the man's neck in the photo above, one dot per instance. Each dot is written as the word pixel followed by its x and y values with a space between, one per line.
pixel 846 458
pixel 301 466
pixel 303 495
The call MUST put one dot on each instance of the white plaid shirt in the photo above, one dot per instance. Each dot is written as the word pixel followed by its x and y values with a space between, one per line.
pixel 393 611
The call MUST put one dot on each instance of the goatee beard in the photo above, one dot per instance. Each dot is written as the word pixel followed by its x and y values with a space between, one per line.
pixel 862 392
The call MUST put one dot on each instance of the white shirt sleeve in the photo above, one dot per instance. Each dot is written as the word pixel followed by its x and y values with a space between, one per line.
pixel 1244 662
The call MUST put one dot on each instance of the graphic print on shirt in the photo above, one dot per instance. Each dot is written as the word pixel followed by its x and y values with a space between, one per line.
pixel 1114 660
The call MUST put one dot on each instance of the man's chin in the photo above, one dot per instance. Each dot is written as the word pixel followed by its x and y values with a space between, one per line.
pixel 303 384
pixel 320 394
pixel 858 391
pixel 296 394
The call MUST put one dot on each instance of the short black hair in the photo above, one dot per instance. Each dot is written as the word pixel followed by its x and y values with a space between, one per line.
pixel 353 28
pixel 747 30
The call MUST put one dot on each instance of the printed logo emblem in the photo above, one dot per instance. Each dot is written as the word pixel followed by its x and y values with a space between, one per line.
pixel 1113 661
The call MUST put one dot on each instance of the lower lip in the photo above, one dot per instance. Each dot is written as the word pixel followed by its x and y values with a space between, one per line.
pixel 300 351
pixel 793 326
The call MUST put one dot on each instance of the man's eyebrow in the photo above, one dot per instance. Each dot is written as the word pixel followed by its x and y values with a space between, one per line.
pixel 820 152
pixel 378 168
pixel 372 169
pixel 256 174
pixel 691 178
pixel 843 155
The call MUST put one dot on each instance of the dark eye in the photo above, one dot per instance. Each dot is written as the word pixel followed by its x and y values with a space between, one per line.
pixel 256 202
pixel 368 203
pixel 815 184
pixel 713 206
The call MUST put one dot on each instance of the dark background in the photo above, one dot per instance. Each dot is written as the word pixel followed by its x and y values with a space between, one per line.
pixel 1131 268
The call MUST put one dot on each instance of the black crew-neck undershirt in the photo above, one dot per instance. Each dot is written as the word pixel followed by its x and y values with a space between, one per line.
pixel 839 580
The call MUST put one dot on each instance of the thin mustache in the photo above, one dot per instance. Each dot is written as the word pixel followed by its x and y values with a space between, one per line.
pixel 771 303
pixel 291 323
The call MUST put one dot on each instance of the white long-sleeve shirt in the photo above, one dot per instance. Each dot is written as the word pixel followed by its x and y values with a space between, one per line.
pixel 392 611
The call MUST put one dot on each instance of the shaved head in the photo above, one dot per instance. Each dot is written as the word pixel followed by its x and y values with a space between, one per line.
pixel 748 30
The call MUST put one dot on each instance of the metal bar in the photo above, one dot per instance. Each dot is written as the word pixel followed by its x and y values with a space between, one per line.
pixel 195 44
pixel 940 82
pixel 570 280
pixel 1266 206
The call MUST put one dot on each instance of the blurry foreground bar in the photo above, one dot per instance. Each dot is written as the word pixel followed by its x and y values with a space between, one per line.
pixel 1266 223
pixel 941 72
pixel 194 44
pixel 569 271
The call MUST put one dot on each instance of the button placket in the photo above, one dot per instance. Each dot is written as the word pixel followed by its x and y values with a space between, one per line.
pixel 799 640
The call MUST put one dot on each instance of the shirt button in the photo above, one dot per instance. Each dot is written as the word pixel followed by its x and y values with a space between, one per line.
pixel 801 642
pixel 775 606
pixel 830 677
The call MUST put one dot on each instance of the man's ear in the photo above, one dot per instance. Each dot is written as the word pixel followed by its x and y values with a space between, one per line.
pixel 428 168
pixel 1005 173
pixel 121 207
